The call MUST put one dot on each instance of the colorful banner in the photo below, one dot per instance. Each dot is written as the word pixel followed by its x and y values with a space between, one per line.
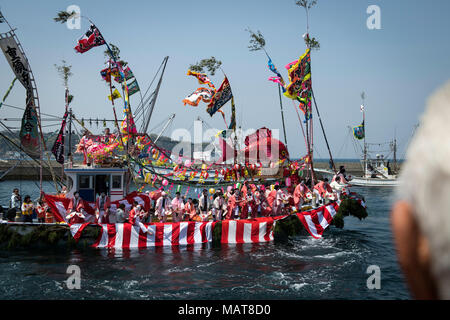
pixel 29 135
pixel 298 73
pixel 92 38
pixel 202 78
pixel 128 74
pixel 58 146
pixel 304 97
pixel 19 64
pixel 106 74
pixel 133 87
pixel 115 95
pixel 358 131
pixel 124 126
pixel 280 81
pixel 115 71
pixel 201 94
pixel 233 115
pixel 279 78
pixel 222 96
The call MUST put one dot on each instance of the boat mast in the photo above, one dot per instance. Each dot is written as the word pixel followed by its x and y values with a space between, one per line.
pixel 363 96
pixel 70 134
pixel 323 131
pixel 155 95
pixel 282 116
pixel 165 127
pixel 395 154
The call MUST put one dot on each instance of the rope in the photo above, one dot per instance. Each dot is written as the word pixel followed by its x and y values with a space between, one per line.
pixel 301 124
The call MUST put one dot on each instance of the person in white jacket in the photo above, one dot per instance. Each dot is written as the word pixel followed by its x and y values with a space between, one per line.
pixel 204 202
pixel 338 187
pixel 162 208
pixel 219 206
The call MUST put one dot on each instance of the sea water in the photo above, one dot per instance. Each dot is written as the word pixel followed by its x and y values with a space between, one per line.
pixel 334 267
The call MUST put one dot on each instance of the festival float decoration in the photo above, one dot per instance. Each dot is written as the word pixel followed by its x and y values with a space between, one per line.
pixel 114 160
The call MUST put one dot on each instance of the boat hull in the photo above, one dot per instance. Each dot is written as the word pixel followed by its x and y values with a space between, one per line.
pixel 374 182
pixel 362 182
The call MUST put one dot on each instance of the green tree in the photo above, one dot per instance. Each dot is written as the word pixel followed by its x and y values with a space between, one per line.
pixel 63 16
pixel 65 73
pixel 311 43
pixel 211 64
pixel 257 41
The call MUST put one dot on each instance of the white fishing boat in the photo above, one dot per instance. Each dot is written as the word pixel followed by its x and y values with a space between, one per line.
pixel 377 171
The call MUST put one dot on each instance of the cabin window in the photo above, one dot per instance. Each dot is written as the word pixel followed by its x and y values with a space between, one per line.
pixel 117 182
pixel 84 182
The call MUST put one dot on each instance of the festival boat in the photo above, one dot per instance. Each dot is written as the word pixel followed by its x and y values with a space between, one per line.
pixel 112 161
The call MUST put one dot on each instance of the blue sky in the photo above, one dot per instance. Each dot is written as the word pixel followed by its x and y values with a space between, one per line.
pixel 398 66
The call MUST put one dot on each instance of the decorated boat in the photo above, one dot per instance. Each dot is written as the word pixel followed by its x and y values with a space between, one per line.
pixel 113 162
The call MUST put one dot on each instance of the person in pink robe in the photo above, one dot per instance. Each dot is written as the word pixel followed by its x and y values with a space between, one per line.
pixel 232 204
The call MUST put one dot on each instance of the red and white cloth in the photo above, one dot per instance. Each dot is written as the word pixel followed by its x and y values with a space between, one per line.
pixel 77 229
pixel 316 221
pixel 92 38
pixel 126 235
pixel 60 205
pixel 248 230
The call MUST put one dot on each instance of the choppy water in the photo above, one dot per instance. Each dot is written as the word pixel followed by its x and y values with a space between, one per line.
pixel 331 268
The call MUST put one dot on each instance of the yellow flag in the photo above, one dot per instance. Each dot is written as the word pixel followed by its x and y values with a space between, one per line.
pixel 115 94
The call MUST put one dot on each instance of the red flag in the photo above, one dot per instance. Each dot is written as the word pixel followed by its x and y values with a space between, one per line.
pixel 92 38
pixel 227 150
pixel 60 205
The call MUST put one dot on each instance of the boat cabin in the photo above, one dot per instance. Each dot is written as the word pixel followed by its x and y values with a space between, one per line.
pixel 378 168
pixel 91 181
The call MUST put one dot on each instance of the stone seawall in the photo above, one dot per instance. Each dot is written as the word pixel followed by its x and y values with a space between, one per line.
pixel 28 170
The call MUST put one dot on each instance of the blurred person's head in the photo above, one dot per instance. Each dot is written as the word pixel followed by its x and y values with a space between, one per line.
pixel 421 216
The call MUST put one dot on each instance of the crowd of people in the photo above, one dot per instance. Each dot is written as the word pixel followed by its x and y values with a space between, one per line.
pixel 248 201
pixel 25 210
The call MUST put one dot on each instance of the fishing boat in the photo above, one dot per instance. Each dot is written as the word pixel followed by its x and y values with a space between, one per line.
pixel 112 161
pixel 377 170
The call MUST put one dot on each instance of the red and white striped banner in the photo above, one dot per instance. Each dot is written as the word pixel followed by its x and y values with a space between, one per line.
pixel 77 229
pixel 316 221
pixel 59 205
pixel 126 235
pixel 249 230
